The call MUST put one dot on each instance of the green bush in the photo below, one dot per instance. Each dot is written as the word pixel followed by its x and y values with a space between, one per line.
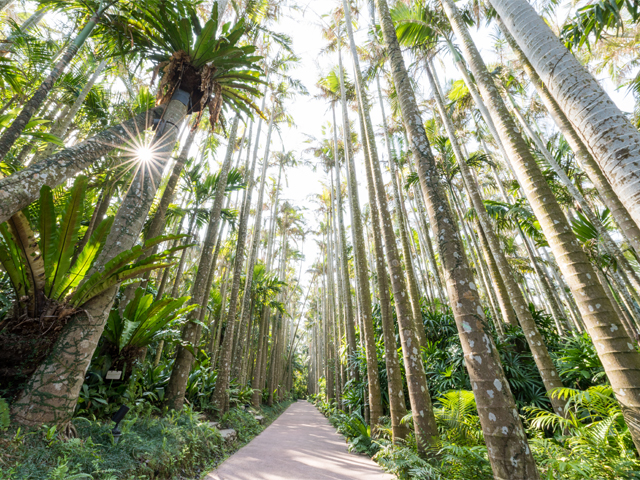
pixel 170 448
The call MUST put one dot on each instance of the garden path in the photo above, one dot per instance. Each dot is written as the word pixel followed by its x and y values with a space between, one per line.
pixel 300 445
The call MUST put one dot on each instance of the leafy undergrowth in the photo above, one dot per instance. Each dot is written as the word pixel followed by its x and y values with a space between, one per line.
pixel 594 442
pixel 178 446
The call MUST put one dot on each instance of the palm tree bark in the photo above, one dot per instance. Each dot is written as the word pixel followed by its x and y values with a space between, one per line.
pixel 508 449
pixel 611 138
pixel 23 188
pixel 52 392
pixel 615 349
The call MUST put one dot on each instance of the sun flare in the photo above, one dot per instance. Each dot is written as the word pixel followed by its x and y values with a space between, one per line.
pixel 144 154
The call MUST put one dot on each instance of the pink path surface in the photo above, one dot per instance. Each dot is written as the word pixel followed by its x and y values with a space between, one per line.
pixel 300 445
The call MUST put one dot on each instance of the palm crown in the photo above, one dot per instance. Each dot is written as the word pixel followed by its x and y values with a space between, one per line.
pixel 213 68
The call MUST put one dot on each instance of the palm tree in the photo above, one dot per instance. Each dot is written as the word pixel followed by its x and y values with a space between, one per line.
pixel 421 408
pixel 200 290
pixel 612 343
pixel 607 132
pixel 215 79
pixel 493 395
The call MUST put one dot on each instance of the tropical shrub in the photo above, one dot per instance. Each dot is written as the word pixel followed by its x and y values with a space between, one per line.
pixel 143 321
pixel 51 280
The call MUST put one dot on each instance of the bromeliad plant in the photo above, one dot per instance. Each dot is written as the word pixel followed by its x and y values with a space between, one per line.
pixel 43 272
pixel 143 321
pixel 209 65
pixel 51 280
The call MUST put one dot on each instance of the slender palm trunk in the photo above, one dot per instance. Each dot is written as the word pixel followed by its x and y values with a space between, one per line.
pixel 245 309
pixel 220 397
pixel 422 411
pixel 545 365
pixel 611 138
pixel 615 349
pixel 414 294
pixel 344 265
pixel 508 449
pixel 396 401
pixel 61 127
pixel 200 290
pixel 14 131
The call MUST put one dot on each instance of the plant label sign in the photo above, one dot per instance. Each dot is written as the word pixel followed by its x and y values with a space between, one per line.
pixel 114 375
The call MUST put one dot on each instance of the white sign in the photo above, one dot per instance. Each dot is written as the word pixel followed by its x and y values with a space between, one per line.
pixel 114 375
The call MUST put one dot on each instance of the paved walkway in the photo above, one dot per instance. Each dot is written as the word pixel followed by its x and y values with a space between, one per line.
pixel 300 445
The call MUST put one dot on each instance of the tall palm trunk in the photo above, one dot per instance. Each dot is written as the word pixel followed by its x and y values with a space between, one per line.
pixel 62 126
pixel 23 187
pixel 219 397
pixel 422 410
pixel 245 310
pixel 396 401
pixel 535 340
pixel 611 138
pixel 508 449
pixel 177 280
pixel 414 295
pixel 615 349
pixel 199 292
pixel 344 264
pixel 52 392
pixel 14 131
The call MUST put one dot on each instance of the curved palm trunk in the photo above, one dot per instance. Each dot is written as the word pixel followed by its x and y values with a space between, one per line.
pixel 14 131
pixel 615 349
pixel 200 290
pixel 422 411
pixel 612 140
pixel 52 392
pixel 23 188
pixel 620 214
pixel 508 449
pixel 535 340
